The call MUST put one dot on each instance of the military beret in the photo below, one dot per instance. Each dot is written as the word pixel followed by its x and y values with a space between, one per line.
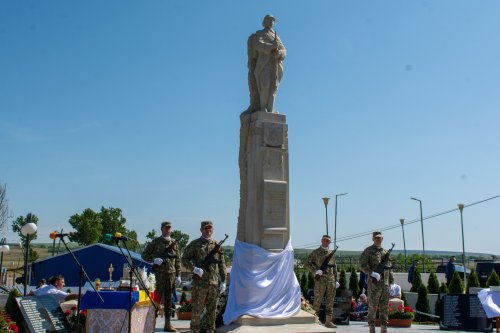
pixel 377 234
pixel 327 237
pixel 166 224
pixel 206 223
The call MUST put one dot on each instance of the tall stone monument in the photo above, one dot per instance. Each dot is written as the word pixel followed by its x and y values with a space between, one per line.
pixel 264 200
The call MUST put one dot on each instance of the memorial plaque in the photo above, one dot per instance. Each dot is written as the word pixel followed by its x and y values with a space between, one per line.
pixel 43 314
pixel 463 312
pixel 341 306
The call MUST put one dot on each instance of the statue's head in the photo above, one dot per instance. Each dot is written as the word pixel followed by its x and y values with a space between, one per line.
pixel 268 21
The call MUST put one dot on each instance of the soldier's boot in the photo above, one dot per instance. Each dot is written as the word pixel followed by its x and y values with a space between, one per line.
pixel 383 329
pixel 168 327
pixel 329 323
pixel 372 329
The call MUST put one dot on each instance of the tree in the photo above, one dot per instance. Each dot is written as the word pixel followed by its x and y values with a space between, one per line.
pixel 5 214
pixel 181 238
pixel 422 304
pixel 353 282
pixel 456 286
pixel 342 280
pixel 150 236
pixel 417 280
pixel 433 284
pixel 18 224
pixel 443 289
pixel 472 280
pixel 493 280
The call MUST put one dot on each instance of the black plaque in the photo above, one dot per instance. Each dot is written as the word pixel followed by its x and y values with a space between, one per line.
pixel 341 306
pixel 463 312
pixel 43 314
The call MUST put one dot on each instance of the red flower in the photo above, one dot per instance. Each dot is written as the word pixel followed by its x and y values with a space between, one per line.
pixel 68 312
pixel 401 307
pixel 73 308
pixel 83 312
pixel 408 309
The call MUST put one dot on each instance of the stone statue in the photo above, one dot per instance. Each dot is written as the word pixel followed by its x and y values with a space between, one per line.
pixel 265 66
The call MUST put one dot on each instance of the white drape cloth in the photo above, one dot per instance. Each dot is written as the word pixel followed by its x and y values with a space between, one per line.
pixel 263 284
pixel 490 301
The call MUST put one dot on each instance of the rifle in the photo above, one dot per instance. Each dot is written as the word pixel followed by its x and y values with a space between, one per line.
pixel 382 266
pixel 325 263
pixel 210 258
pixel 166 255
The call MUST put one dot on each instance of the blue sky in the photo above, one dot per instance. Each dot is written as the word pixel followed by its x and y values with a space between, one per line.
pixel 135 105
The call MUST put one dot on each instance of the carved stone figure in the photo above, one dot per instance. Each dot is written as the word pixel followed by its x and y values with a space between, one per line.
pixel 265 66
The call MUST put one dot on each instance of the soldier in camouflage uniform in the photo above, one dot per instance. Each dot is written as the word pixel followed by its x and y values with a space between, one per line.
pixel 378 284
pixel 325 283
pixel 207 282
pixel 164 252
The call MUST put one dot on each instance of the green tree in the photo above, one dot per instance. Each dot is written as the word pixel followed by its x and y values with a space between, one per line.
pixel 443 289
pixel 472 280
pixel 422 304
pixel 456 286
pixel 88 227
pixel 310 281
pixel 342 280
pixel 417 280
pixel 303 284
pixel 5 214
pixel 493 280
pixel 181 238
pixel 353 282
pixel 17 226
pixel 433 284
pixel 403 297
pixel 150 236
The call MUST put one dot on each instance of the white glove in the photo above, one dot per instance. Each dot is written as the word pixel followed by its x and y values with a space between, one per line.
pixel 222 287
pixel 178 280
pixel 198 271
pixel 375 275
pixel 158 261
pixel 337 285
pixel 319 272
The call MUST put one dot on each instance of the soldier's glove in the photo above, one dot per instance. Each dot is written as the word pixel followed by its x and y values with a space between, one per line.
pixel 337 285
pixel 158 261
pixel 178 280
pixel 318 272
pixel 222 287
pixel 198 271
pixel 375 275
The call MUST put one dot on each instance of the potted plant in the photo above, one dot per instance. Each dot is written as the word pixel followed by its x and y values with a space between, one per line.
pixel 401 317
pixel 184 310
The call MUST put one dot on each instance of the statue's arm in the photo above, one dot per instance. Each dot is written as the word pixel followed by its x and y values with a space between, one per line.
pixel 263 46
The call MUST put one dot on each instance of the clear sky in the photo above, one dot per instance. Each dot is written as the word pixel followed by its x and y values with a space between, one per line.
pixel 136 104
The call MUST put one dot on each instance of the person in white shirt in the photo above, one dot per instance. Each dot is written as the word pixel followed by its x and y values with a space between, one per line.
pixel 55 289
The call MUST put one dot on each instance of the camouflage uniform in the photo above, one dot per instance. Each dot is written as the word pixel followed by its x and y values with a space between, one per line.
pixel 205 290
pixel 378 292
pixel 326 282
pixel 165 274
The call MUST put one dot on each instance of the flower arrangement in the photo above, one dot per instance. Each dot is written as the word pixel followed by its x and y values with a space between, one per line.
pixel 73 319
pixel 402 312
pixel 185 306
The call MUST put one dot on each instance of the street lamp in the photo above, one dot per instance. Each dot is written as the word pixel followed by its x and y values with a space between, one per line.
pixel 335 230
pixel 27 230
pixel 402 221
pixel 422 225
pixel 3 248
pixel 461 208
pixel 325 201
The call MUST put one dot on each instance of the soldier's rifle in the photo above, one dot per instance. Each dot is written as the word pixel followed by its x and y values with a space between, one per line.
pixel 325 265
pixel 210 257
pixel 166 256
pixel 382 266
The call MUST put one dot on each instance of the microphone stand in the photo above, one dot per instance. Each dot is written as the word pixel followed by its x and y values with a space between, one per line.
pixel 133 270
pixel 82 274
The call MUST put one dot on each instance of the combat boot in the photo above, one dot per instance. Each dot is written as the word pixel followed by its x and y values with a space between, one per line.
pixel 329 323
pixel 372 329
pixel 383 329
pixel 169 328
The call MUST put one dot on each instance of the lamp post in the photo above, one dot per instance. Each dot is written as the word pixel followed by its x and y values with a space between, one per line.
pixel 402 221
pixel 461 208
pixel 422 226
pixel 325 201
pixel 335 230
pixel 27 230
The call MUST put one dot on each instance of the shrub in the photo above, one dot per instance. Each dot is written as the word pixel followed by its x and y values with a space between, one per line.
pixel 310 281
pixel 353 282
pixel 417 281
pixel 493 280
pixel 185 306
pixel 443 289
pixel 11 305
pixel 456 285
pixel 303 284
pixel 422 304
pixel 433 284
pixel 183 298
pixel 402 312
pixel 403 297
pixel 342 280
pixel 472 281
